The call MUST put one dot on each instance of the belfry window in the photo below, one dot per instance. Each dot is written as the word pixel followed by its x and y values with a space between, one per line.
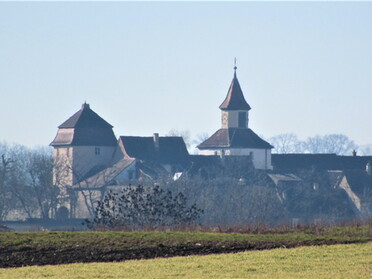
pixel 242 119
pixel 97 151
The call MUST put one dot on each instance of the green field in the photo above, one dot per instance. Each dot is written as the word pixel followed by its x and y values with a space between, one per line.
pixel 44 248
pixel 335 261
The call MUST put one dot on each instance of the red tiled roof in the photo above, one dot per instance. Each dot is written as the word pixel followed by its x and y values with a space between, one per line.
pixel 235 138
pixel 235 99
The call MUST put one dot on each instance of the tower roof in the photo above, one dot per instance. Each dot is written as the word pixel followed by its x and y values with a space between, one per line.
pixel 84 118
pixel 85 128
pixel 235 99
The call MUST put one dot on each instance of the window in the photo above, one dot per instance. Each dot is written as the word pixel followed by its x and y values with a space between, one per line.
pixel 97 151
pixel 242 120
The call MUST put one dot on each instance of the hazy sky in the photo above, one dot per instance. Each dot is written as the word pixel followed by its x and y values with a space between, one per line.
pixel 146 67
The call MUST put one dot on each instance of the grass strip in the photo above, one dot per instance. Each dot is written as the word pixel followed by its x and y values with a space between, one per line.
pixel 21 249
pixel 337 261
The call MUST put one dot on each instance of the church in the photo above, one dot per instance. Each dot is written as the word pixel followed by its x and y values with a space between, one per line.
pixel 235 138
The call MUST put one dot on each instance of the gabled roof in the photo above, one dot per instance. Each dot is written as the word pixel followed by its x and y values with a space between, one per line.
pixel 106 176
pixel 171 150
pixel 85 128
pixel 235 138
pixel 360 182
pixel 85 117
pixel 235 99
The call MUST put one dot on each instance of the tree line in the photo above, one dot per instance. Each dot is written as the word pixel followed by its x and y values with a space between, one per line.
pixel 333 143
pixel 26 182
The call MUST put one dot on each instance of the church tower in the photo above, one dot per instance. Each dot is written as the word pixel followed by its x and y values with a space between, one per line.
pixel 85 144
pixel 234 109
pixel 235 138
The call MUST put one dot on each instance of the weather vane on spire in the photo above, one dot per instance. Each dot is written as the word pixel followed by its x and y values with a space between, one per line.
pixel 235 64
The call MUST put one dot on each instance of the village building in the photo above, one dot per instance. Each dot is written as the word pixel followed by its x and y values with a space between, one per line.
pixel 85 143
pixel 235 138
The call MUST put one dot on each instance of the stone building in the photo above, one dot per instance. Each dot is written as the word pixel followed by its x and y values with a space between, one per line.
pixel 85 143
pixel 235 138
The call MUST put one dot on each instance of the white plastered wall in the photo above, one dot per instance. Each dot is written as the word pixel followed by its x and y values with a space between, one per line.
pixel 261 157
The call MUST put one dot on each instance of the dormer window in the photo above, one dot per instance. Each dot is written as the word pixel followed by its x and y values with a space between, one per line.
pixel 242 119
pixel 97 151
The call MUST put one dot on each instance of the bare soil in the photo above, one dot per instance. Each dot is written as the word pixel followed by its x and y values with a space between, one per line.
pixel 26 256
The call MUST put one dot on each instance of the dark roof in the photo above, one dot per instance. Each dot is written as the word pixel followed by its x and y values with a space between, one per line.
pixel 172 150
pixel 235 99
pixel 85 128
pixel 360 182
pixel 85 117
pixel 320 161
pixel 235 138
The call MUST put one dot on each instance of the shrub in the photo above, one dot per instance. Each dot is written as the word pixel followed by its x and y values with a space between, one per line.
pixel 136 208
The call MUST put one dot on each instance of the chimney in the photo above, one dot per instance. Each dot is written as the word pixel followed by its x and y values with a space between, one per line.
pixel 156 141
pixel 354 153
pixel 369 168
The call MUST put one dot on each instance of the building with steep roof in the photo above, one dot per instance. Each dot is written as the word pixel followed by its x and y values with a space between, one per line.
pixel 84 143
pixel 235 138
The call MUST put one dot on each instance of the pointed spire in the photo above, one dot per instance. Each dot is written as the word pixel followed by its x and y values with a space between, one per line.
pixel 235 99
pixel 235 67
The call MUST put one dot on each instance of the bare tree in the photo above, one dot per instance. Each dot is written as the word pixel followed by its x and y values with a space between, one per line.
pixel 185 134
pixel 40 172
pixel 366 150
pixel 334 143
pixel 137 207
pixel 200 138
pixel 5 194
pixel 26 177
pixel 286 143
